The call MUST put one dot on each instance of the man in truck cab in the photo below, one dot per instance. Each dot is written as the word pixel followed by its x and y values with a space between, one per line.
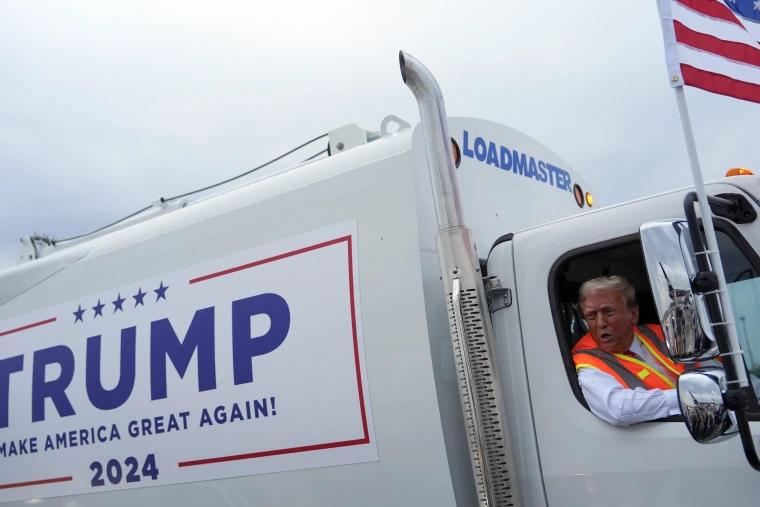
pixel 623 368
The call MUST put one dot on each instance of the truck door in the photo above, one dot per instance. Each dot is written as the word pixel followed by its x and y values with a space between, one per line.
pixel 582 459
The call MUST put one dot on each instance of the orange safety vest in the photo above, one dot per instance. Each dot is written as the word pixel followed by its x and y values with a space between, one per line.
pixel 627 370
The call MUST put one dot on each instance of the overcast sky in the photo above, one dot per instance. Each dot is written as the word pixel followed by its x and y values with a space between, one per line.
pixel 106 106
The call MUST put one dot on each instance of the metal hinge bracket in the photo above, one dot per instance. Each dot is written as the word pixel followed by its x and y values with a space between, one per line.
pixel 498 297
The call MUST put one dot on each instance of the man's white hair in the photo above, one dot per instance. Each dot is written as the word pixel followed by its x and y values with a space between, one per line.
pixel 609 283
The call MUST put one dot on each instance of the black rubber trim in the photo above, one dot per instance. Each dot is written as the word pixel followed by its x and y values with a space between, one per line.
pixel 402 65
pixel 501 239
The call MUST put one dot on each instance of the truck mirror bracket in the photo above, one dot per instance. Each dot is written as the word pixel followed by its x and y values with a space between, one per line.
pixel 498 297
pixel 734 207
pixel 704 281
pixel 708 417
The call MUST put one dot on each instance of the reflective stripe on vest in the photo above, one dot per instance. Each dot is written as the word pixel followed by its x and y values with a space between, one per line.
pixel 657 347
pixel 647 370
pixel 629 371
pixel 626 377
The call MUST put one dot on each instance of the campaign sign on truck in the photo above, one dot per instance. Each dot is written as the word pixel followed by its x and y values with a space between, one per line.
pixel 242 365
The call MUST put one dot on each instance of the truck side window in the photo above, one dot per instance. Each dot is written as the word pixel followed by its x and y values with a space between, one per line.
pixel 622 257
pixel 743 279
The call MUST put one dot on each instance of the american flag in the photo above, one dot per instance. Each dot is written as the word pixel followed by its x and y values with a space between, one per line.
pixel 713 45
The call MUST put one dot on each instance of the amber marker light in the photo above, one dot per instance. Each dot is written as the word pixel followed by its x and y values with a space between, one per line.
pixel 578 193
pixel 589 199
pixel 456 152
pixel 739 171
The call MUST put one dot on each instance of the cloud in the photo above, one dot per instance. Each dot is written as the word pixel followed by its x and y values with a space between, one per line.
pixel 107 107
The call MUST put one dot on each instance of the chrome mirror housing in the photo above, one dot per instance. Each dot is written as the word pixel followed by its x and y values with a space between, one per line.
pixel 700 394
pixel 669 259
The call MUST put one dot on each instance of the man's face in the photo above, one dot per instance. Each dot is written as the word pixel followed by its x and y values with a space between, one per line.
pixel 610 322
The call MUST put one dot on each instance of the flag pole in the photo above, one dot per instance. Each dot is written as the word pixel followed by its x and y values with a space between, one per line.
pixel 738 376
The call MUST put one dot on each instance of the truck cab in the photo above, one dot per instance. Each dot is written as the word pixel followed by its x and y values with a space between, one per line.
pixel 580 456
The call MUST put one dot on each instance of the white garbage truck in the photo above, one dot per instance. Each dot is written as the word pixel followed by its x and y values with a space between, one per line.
pixel 388 325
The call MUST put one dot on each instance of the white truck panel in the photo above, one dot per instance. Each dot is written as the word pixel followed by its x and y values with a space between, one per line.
pixel 507 180
pixel 509 353
pixel 413 468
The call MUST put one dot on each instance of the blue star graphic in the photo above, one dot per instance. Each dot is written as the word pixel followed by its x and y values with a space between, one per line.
pixel 161 291
pixel 139 297
pixel 98 309
pixel 117 304
pixel 78 314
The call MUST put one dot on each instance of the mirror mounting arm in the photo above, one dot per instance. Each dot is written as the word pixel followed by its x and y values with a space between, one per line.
pixel 705 281
pixel 746 436
pixel 737 400
pixel 734 207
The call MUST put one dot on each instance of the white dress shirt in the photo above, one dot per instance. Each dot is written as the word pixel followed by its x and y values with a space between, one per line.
pixel 610 401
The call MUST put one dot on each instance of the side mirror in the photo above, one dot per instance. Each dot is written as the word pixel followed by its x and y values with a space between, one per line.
pixel 700 394
pixel 669 259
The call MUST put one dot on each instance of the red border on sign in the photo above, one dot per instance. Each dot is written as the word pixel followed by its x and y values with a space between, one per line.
pixel 316 447
pixel 28 326
pixel 35 483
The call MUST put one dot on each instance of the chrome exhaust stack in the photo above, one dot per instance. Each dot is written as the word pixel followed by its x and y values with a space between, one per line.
pixel 469 316
pixel 448 208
